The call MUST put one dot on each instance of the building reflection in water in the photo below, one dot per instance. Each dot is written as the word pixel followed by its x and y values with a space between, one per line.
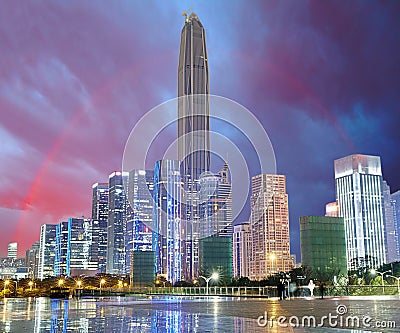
pixel 127 315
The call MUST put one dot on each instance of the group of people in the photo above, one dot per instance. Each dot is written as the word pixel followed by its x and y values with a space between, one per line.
pixel 282 292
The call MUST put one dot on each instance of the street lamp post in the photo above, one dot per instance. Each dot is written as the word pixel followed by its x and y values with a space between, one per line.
pixel 7 282
pixel 398 283
pixel 214 276
pixel 102 281
pixel 374 271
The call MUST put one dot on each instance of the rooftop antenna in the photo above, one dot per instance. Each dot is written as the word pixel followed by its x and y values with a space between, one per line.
pixel 185 13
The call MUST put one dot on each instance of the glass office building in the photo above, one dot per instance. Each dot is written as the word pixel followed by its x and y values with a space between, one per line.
pixel 323 244
pixel 116 228
pixel 360 198
pixel 167 241
pixel 139 236
pixel 100 221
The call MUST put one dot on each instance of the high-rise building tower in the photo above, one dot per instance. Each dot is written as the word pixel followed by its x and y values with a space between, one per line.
pixel 193 132
pixel 47 250
pixel 359 195
pixel 323 244
pixel 32 260
pixel 61 249
pixel 193 110
pixel 116 229
pixel 241 249
pixel 215 227
pixel 139 236
pixel 100 221
pixel 391 236
pixel 395 199
pixel 12 250
pixel 73 255
pixel 269 224
pixel 167 195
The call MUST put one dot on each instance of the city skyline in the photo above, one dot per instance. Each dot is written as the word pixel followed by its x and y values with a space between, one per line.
pixel 52 99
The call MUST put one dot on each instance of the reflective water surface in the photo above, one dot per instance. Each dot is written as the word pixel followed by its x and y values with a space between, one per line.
pixel 131 314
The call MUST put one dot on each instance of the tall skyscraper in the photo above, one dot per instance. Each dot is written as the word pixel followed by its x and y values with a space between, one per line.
pixel 215 227
pixel 395 200
pixel 139 237
pixel 79 255
pixel 32 260
pixel 269 224
pixel 193 111
pixel 61 250
pixel 47 250
pixel 167 195
pixel 323 244
pixel 391 232
pixel 73 255
pixel 116 229
pixel 241 249
pixel 193 132
pixel 12 250
pixel 359 195
pixel 100 221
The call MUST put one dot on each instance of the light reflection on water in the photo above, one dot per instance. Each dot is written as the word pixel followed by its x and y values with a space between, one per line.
pixel 128 314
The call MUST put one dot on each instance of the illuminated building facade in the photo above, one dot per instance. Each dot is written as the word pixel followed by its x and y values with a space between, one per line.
pixel 167 241
pixel 79 254
pixel 61 250
pixel 12 250
pixel 139 236
pixel 215 228
pixel 241 249
pixel 100 221
pixel 391 231
pixel 360 198
pixel 116 228
pixel 73 250
pixel 32 260
pixel 269 224
pixel 332 209
pixel 395 200
pixel 47 250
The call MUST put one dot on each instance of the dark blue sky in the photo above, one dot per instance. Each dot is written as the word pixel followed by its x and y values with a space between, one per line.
pixel 323 77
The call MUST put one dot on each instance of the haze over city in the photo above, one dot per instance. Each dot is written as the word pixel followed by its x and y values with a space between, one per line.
pixel 75 78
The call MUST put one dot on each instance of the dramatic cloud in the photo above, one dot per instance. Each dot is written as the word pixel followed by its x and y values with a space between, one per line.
pixel 322 77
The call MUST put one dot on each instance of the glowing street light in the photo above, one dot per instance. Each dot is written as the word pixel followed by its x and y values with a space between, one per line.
pixel 79 284
pixel 30 284
pixel 6 283
pixel 102 281
pixel 120 284
pixel 60 283
pixel 158 282
pixel 214 276
pixel 374 272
